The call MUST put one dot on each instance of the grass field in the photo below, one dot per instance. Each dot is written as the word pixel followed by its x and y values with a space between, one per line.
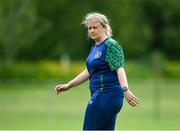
pixel 35 106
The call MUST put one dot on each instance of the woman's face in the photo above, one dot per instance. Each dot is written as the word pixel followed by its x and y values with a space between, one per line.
pixel 95 29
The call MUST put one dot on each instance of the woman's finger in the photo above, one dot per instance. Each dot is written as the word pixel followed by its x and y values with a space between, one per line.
pixel 131 103
pixel 136 101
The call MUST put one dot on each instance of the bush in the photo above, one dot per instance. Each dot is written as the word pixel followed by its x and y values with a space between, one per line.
pixel 39 70
pixel 53 70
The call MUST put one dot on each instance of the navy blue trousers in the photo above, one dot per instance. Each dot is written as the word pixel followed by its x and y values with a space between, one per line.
pixel 101 111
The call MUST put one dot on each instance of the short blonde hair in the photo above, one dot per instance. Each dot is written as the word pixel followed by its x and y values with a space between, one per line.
pixel 102 19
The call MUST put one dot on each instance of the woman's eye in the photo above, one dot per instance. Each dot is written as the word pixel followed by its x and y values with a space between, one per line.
pixel 94 27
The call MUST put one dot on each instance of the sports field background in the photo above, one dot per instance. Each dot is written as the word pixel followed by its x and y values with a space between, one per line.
pixel 34 105
pixel 43 43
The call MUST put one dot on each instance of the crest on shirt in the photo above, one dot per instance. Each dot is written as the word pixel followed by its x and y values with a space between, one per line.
pixel 97 54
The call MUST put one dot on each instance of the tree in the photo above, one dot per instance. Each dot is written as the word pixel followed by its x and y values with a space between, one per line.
pixel 18 27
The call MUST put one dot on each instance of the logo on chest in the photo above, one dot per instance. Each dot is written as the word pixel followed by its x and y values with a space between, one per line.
pixel 97 54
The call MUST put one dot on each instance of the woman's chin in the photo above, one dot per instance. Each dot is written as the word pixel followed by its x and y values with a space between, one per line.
pixel 93 37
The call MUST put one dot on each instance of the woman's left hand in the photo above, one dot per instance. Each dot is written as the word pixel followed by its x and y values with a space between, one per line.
pixel 131 98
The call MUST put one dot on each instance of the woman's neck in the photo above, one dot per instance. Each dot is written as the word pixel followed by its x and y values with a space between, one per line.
pixel 100 40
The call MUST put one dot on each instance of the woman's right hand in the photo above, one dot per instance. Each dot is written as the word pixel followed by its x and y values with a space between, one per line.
pixel 61 87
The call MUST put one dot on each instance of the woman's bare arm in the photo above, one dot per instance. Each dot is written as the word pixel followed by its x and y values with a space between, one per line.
pixel 129 96
pixel 79 79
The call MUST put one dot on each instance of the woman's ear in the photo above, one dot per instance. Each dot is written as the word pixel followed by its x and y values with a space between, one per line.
pixel 105 28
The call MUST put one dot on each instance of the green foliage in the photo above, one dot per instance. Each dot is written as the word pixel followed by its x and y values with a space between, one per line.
pixel 172 70
pixel 44 70
pixel 40 70
pixel 19 28
pixel 30 31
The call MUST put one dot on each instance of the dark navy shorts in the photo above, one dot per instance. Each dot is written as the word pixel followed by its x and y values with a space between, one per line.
pixel 101 111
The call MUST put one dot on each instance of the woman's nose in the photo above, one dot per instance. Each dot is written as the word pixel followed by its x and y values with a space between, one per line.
pixel 92 30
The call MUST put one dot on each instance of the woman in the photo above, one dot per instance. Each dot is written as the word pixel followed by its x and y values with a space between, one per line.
pixel 105 70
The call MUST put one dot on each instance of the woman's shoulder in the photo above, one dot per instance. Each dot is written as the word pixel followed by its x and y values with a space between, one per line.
pixel 112 43
pixel 114 54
